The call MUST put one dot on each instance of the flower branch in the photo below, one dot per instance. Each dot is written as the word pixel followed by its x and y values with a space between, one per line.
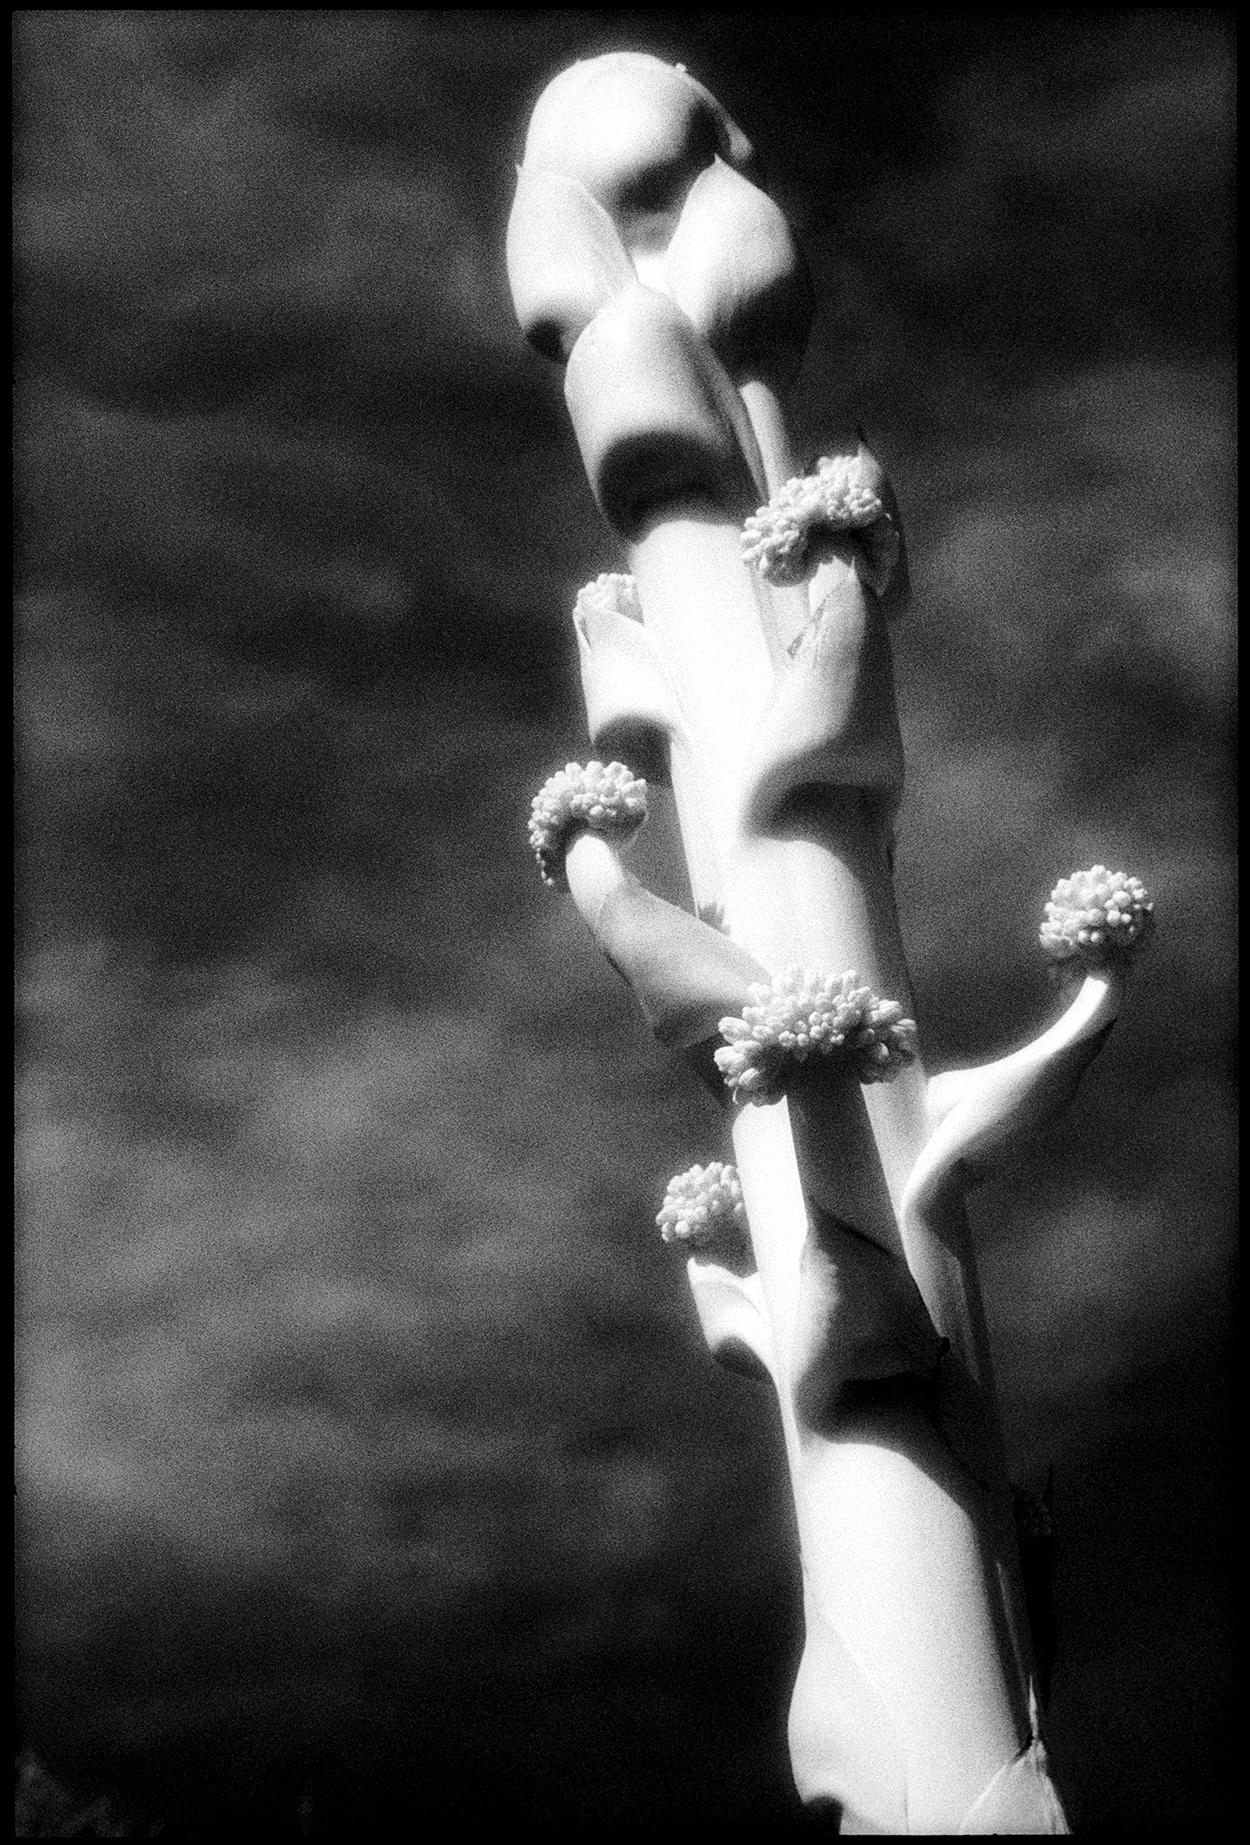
pixel 744 656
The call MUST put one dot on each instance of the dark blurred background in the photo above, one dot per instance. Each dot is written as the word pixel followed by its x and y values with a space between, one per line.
pixel 369 1459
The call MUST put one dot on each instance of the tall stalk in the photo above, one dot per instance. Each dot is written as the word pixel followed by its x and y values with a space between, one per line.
pixel 744 658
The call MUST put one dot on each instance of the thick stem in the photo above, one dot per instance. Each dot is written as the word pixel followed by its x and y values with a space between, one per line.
pixel 899 1566
pixel 911 1698
pixel 769 423
pixel 714 630
pixel 910 1594
pixel 902 1596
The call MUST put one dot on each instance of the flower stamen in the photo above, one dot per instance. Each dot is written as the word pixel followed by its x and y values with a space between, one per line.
pixel 1096 916
pixel 802 1015
pixel 612 592
pixel 840 495
pixel 605 798
pixel 703 1206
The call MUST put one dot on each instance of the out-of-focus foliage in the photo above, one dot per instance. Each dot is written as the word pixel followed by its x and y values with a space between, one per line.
pixel 368 1452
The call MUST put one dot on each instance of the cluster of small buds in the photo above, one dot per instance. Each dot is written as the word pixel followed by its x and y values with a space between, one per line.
pixel 703 1206
pixel 837 497
pixel 801 1015
pixel 607 798
pixel 612 593
pixel 1096 915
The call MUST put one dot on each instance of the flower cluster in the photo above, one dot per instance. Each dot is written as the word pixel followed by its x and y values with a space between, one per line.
pixel 839 497
pixel 604 797
pixel 1096 915
pixel 702 1206
pixel 801 1015
pixel 611 593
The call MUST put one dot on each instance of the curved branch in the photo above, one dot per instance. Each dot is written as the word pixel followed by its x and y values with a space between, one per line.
pixel 684 974
pixel 976 1114
pixel 734 1317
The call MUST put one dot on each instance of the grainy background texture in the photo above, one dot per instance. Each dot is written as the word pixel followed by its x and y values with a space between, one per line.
pixel 368 1453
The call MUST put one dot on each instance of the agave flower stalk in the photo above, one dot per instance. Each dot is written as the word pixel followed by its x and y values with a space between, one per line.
pixel 743 655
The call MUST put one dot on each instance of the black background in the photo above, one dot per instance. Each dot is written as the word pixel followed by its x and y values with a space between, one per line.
pixel 367 1448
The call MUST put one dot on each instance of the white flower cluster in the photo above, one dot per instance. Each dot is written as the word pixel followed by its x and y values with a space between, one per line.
pixel 611 593
pixel 802 1015
pixel 837 497
pixel 702 1206
pixel 604 797
pixel 1096 915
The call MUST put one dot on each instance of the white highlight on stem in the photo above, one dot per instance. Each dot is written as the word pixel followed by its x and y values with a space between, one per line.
pixel 631 257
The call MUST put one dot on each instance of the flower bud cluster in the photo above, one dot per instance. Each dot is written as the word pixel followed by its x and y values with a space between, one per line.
pixel 703 1206
pixel 611 593
pixel 840 496
pixel 606 798
pixel 802 1015
pixel 1096 915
